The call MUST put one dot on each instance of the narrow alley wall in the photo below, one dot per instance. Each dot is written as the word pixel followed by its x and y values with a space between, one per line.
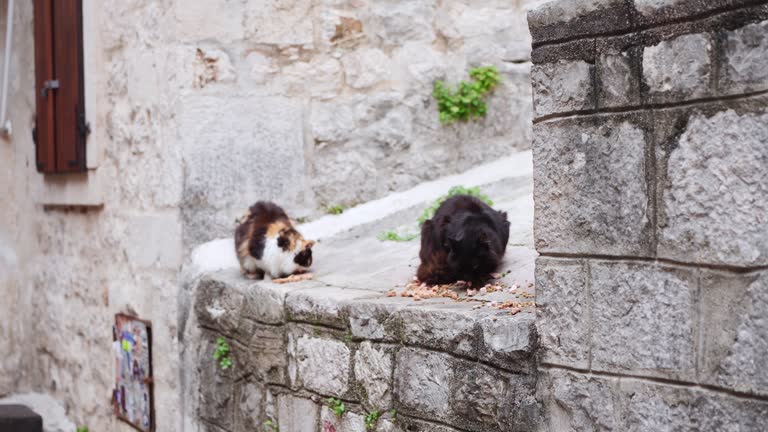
pixel 650 170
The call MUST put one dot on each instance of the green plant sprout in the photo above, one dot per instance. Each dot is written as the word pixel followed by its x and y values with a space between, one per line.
pixel 467 100
pixel 393 413
pixel 82 429
pixel 336 209
pixel 337 406
pixel 429 212
pixel 222 353
pixel 371 419
pixel 393 235
pixel 271 426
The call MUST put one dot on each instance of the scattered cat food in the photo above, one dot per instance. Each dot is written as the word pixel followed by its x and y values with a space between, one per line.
pixel 294 278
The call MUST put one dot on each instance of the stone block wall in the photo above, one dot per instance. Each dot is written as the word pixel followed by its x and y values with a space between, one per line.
pixel 433 365
pixel 651 195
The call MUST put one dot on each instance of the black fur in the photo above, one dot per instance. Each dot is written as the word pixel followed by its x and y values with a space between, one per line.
pixel 304 258
pixel 465 240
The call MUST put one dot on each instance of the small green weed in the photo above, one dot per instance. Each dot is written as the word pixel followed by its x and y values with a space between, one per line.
pixel 467 100
pixel 271 426
pixel 336 209
pixel 456 190
pixel 393 413
pixel 392 235
pixel 337 406
pixel 82 429
pixel 371 419
pixel 429 212
pixel 348 337
pixel 222 353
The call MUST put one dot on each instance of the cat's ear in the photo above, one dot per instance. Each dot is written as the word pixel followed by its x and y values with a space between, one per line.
pixel 309 244
pixel 483 237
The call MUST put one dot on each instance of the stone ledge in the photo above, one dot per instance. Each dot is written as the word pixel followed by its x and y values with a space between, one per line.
pixel 366 348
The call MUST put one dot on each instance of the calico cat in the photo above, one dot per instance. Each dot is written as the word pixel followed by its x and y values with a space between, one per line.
pixel 465 240
pixel 267 242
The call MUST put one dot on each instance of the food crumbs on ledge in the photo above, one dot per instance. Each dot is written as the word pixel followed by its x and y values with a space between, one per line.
pixel 294 278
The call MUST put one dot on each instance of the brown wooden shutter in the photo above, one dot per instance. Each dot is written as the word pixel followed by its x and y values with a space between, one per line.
pixel 60 128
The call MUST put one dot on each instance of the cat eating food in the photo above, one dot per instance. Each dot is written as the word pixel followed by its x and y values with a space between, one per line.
pixel 267 242
pixel 464 241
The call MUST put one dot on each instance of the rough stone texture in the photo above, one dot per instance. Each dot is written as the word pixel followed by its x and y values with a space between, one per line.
pixel 678 69
pixel 735 346
pixel 296 414
pixel 562 87
pixel 715 198
pixel 322 365
pixel 619 84
pixel 590 187
pixel 373 370
pixel 348 422
pixel 745 63
pixel 563 312
pixel 643 319
pixel 259 140
pixel 631 342
pixel 422 381
pixel 576 402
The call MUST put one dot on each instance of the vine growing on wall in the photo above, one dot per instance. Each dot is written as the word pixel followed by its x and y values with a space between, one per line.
pixel 467 100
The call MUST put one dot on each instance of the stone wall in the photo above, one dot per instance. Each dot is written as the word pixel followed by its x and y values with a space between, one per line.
pixel 75 250
pixel 326 102
pixel 433 365
pixel 650 170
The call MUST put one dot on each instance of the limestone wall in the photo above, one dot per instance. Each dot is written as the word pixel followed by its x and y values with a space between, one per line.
pixel 650 170
pixel 326 102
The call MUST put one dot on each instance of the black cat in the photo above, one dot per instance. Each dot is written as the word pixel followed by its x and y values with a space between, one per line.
pixel 465 240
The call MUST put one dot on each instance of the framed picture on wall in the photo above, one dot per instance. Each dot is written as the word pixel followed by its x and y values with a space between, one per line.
pixel 132 397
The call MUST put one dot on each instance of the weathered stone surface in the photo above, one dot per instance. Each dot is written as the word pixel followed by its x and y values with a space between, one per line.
pixel 578 403
pixel 366 67
pixel 279 23
pixel 619 84
pixel 655 407
pixel 715 198
pixel 325 305
pixel 208 20
pixel 267 353
pixel 320 77
pixel 348 422
pixel 447 326
pixel 375 319
pixel 508 341
pixel 745 59
pixel 321 365
pixel 395 22
pixel 590 189
pixel 250 406
pixel 218 305
pixel 373 370
pixel 562 87
pixel 643 319
pixel 678 69
pixel 296 414
pixel 422 381
pixel 566 19
pixel 156 240
pixel 735 333
pixel 216 399
pixel 719 412
pixel 237 151
pixel 562 300
pixel 212 66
